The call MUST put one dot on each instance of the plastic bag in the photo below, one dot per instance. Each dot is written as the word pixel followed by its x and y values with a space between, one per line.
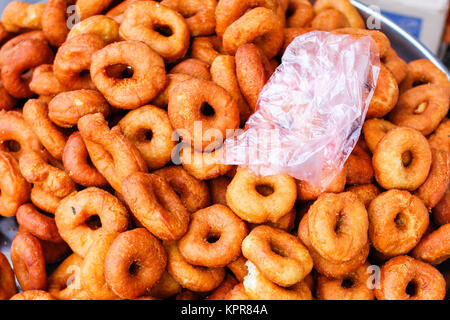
pixel 310 113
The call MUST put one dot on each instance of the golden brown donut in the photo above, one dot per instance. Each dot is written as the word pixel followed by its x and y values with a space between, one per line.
pixel 299 13
pixel 18 16
pixel 395 64
pixel 206 48
pixel 88 8
pixel 193 67
pixel 166 287
pixel 440 139
pixel 224 289
pixel 54 21
pixel 374 130
pixel 213 238
pixel 329 19
pixel 385 96
pixel 404 278
pixel 33 295
pixel 82 215
pixel 156 205
pixel 238 268
pixel 365 192
pixel 345 7
pixel 441 212
pixel 434 248
pixel 218 189
pixel 397 222
pixel 103 26
pixel 7 281
pixel 162 100
pixel 64 283
pixel 44 82
pixel 358 167
pixel 422 72
pixel 307 192
pixel 44 200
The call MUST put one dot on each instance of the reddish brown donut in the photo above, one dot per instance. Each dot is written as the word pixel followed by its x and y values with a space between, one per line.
pixel 299 13
pixel 193 67
pixel 441 212
pixel 28 261
pixel 54 21
pixel 390 170
pixel 385 96
pixel 198 279
pixel 395 64
pixel 307 192
pixel 144 20
pixel 422 72
pixel 6 100
pixel 33 295
pixel 148 80
pixel 398 221
pixel 222 226
pixel 156 205
pixel 37 223
pixel 358 167
pixel 10 44
pixel 374 130
pixel 44 200
pixel 64 283
pixel 421 108
pixel 18 16
pixel 440 139
pixel 76 163
pixel 74 58
pixel 218 189
pixel 23 57
pixel 111 153
pixel 401 273
pixel 434 248
pixel 54 251
pixel 134 263
pixel 149 129
pixel 74 222
pixel 44 82
pixel 345 7
pixel 7 281
pixel 329 20
pixel 261 26
pixel 279 256
pixel 193 193
pixel 206 48
pixel 353 286
pixel 365 192
pixel 188 104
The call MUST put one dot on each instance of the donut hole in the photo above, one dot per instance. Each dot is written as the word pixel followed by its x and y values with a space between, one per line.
pixel 85 74
pixel 290 11
pixel 134 268
pixel 264 189
pixel 419 82
pixel 348 283
pixel 411 288
pixel 212 238
pixel 94 222
pixel 400 221
pixel 119 71
pixel 207 110
pixel 407 158
pixel 339 223
pixel 276 248
pixel 148 135
pixel 163 30
pixel 421 108
pixel 12 146
pixel 26 74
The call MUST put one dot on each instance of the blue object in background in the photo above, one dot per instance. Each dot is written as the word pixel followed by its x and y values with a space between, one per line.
pixel 412 25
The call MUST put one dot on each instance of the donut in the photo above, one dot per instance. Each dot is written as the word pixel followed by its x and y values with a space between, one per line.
pixel 23 57
pixel 421 108
pixel 88 8
pixel 166 287
pixel 224 289
pixel 44 200
pixel 15 190
pixel 162 100
pixel 353 286
pixel 161 28
pixel 148 77
pixel 28 262
pixel 156 205
pixel 345 7
pixel 223 72
pixel 134 263
pixel 395 64
pixel 53 251
pixel 194 193
pixel 114 156
pixel 299 13
pixel 118 12
pixel 213 238
pixel 64 283
pixel 278 255
pixel 237 293
pixel 385 96
pixel 381 40
pixel 438 180
pixel 11 43
pixel 441 212
pixel 198 279
pixel 75 160
pixel 193 67
pixel 440 139
pixel 7 283
pixel 82 215
pixel 405 278
pixel 37 223
pixel 33 295
pixel 258 287
pixel 434 248
pixel 259 208
pixel 423 71
pixel 73 61
pixel 100 25
pixel 206 49
pixel 253 70
pixel 329 19
pixel 306 192
pixel 6 100
pixel 199 14
pixel 374 130
pixel 238 268
pixel 218 189
pixel 358 167
pixel 44 81
pixel 291 33
pixel 92 276
pixel 261 26
pixel 54 21
pixel 338 225
pixel 197 100
pixel 365 192
pixel 398 221
pixel 390 171
pixel 18 16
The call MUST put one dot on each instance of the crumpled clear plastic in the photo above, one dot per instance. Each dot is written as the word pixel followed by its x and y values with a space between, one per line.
pixel 311 111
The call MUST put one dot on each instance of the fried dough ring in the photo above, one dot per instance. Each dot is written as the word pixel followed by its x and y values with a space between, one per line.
pixel 395 64
pixel 88 8
pixel 441 212
pixel 206 48
pixel 156 205
pixel 141 23
pixel 307 192
pixel 218 189
pixel 279 256
pixel 374 130
pixel 198 279
pixel 44 81
pixel 193 67
pixel 424 71
pixel 10 44
pixel 217 222
pixel 54 21
pixel 19 16
pixel 440 139
pixel 345 7
pixel 300 13
pixel 73 213
pixel 64 283
pixel 398 221
pixel 434 248
pixel 100 25
pixel 365 192
pixel 193 193
pixel 400 271
pixel 33 295
pixel 224 289
pixel 385 96
pixel 162 100
pixel 329 20
pixel 256 207
pixel 6 100
pixel 44 200
pixel 358 167
pixel 7 281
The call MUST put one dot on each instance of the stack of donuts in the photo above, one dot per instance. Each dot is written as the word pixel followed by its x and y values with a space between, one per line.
pixel 98 164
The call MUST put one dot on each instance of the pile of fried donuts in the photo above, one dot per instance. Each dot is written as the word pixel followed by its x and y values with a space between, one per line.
pixel 89 108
